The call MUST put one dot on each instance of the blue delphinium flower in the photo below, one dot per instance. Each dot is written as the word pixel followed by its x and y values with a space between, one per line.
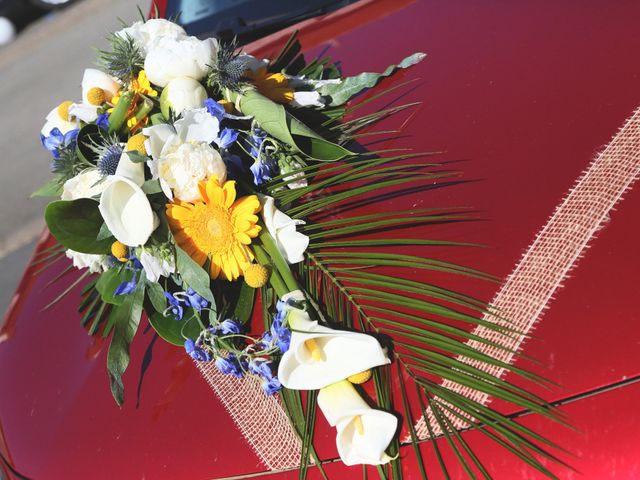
pixel 264 169
pixel 195 301
pixel 57 140
pixel 103 121
pixel 230 327
pixel 214 108
pixel 230 366
pixel 174 307
pixel 125 288
pixel 195 352
pixel 226 137
pixel 262 368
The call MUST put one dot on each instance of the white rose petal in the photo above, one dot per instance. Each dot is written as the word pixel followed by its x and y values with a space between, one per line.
pixel 181 94
pixel 291 243
pixel 145 33
pixel 189 164
pixel 84 185
pixel 170 58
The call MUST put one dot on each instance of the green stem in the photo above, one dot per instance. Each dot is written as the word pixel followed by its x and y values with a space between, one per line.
pixel 274 278
pixel 118 117
pixel 278 260
pixel 143 110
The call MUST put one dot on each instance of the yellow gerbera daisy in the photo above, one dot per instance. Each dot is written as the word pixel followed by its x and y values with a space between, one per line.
pixel 219 228
pixel 272 85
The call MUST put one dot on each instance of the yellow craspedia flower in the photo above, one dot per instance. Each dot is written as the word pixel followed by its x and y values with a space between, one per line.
pixel 63 110
pixel 218 228
pixel 272 85
pixel 142 85
pixel 136 142
pixel 256 276
pixel 361 377
pixel 97 96
pixel 119 250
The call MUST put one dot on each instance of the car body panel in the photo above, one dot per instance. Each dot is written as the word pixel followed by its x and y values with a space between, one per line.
pixel 522 95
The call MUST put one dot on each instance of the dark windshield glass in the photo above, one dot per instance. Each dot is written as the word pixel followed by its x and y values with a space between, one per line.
pixel 246 19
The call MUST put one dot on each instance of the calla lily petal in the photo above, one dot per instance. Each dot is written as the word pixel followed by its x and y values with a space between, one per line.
pixel 291 243
pixel 127 212
pixel 132 171
pixel 95 78
pixel 363 433
pixel 319 356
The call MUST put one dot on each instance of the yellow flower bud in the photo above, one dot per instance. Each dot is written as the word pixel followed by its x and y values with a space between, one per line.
pixel 96 96
pixel 119 250
pixel 63 110
pixel 136 143
pixel 361 377
pixel 256 276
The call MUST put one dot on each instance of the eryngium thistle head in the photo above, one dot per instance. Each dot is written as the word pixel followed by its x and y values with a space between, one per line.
pixel 125 59
pixel 108 150
pixel 229 68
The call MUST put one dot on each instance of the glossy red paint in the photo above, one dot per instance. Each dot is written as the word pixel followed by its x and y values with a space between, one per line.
pixel 524 93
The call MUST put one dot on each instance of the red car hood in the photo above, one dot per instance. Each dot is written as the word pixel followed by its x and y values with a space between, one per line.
pixel 522 95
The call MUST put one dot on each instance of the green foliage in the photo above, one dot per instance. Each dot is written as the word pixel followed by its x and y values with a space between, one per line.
pixel 53 188
pixel 125 319
pixel 109 281
pixel 280 124
pixel 342 92
pixel 76 225
pixel 194 276
pixel 175 331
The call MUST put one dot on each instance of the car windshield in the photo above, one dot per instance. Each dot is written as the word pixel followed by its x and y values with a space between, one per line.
pixel 245 19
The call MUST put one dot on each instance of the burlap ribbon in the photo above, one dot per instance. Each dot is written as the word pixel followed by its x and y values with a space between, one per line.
pixel 522 299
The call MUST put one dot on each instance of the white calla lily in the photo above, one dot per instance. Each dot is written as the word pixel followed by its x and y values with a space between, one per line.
pixel 319 356
pixel 55 120
pixel 107 86
pixel 363 433
pixel 125 208
pixel 291 243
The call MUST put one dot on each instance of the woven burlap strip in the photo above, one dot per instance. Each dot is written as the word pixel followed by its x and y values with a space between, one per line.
pixel 554 252
pixel 259 417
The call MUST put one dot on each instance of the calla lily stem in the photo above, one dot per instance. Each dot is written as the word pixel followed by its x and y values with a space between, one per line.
pixel 278 260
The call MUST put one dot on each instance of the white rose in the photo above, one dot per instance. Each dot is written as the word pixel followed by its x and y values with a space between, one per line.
pixel 190 163
pixel 84 185
pixel 144 34
pixel 170 58
pixel 95 263
pixel 181 94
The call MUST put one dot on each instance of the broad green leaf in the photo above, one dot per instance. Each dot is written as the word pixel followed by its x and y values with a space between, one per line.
pixel 109 281
pixel 105 233
pixel 277 122
pixel 151 186
pixel 53 188
pixel 194 275
pixel 156 296
pixel 172 330
pixel 76 225
pixel 245 300
pixel 341 92
pixel 136 157
pixel 125 319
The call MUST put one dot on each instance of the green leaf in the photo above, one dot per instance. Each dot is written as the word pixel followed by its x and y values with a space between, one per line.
pixel 194 276
pixel 151 186
pixel 125 319
pixel 174 331
pixel 245 300
pixel 136 157
pixel 277 122
pixel 76 225
pixel 105 233
pixel 341 92
pixel 156 296
pixel 53 188
pixel 109 281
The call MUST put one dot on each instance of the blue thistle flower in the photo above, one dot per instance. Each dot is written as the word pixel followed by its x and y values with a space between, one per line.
pixel 109 157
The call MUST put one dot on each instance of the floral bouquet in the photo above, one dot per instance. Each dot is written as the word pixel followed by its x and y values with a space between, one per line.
pixel 197 182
